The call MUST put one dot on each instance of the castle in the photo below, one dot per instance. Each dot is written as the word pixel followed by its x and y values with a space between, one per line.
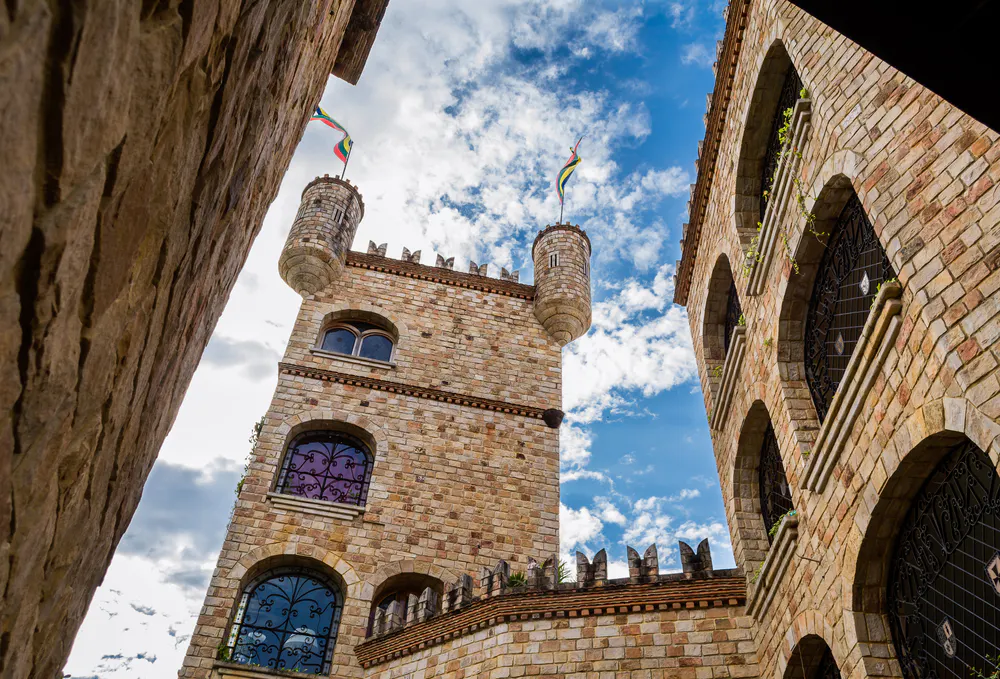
pixel 399 518
pixel 400 514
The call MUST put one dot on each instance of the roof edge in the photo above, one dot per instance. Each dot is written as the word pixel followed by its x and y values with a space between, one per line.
pixel 359 36
pixel 725 74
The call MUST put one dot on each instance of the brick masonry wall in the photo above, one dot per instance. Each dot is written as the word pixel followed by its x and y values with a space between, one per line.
pixel 142 143
pixel 454 488
pixel 712 643
pixel 926 175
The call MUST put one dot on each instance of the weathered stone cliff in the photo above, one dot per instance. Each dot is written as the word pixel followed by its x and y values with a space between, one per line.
pixel 141 142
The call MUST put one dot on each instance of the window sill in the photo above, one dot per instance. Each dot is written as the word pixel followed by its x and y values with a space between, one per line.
pixel 730 375
pixel 775 565
pixel 877 339
pixel 231 669
pixel 329 510
pixel 358 360
pixel 784 181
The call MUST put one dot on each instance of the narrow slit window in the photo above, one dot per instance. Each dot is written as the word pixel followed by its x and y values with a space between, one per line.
pixel 553 260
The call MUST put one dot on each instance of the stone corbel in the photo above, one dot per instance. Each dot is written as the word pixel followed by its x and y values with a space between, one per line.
pixel 775 565
pixel 730 376
pixel 781 193
pixel 877 339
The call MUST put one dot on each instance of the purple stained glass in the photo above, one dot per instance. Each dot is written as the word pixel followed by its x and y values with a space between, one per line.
pixel 328 466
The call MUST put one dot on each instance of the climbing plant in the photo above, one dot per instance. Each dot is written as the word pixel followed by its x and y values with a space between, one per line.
pixel 786 149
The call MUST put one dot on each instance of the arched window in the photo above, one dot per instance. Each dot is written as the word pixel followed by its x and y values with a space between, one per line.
pixel 775 495
pixel 852 268
pixel 399 588
pixel 812 659
pixel 827 668
pixel 356 338
pixel 790 88
pixel 733 315
pixel 286 620
pixel 944 579
pixel 326 465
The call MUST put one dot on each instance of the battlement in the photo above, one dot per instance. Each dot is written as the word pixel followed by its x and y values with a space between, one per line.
pixel 480 270
pixel 503 596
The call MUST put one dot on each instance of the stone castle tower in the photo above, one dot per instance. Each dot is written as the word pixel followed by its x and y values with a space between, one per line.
pixel 412 438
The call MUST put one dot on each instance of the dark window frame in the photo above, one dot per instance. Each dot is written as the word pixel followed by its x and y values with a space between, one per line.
pixel 772 482
pixel 243 648
pixel 360 335
pixel 284 482
pixel 791 86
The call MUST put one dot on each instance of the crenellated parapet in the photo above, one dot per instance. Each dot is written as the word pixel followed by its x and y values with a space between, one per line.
pixel 442 263
pixel 504 596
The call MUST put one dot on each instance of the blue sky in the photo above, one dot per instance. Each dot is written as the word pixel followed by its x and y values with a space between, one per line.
pixel 461 120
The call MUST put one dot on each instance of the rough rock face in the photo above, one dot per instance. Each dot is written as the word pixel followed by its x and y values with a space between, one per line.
pixel 142 142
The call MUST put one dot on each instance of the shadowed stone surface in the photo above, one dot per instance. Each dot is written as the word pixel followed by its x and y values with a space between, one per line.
pixel 142 143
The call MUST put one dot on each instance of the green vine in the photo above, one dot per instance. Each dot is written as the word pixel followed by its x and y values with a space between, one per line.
pixel 768 342
pixel 254 437
pixel 717 372
pixel 742 322
pixel 878 289
pixel 756 574
pixel 222 653
pixel 995 674
pixel 754 255
pixel 777 524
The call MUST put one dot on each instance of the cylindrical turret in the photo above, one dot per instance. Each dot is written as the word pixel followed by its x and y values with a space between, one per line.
pixel 321 234
pixel 562 281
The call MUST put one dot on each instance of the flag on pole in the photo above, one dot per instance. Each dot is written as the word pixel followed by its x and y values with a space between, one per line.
pixel 343 149
pixel 567 171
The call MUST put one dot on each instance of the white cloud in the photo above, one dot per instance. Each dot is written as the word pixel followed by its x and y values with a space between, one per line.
pixel 609 512
pixel 697 54
pixel 577 527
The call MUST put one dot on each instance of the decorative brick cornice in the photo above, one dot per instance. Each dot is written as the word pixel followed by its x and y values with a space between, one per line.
pixel 672 592
pixel 412 390
pixel 436 274
pixel 728 59
pixel 560 226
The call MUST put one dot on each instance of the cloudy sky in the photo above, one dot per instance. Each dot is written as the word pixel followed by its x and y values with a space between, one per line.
pixel 464 114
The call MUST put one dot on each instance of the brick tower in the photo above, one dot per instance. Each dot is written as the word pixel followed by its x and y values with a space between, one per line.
pixel 412 439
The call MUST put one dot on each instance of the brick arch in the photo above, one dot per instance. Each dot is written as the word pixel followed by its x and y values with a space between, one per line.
pixel 750 543
pixel 714 315
pixel 803 643
pixel 832 189
pixel 909 457
pixel 359 425
pixel 325 314
pixel 406 567
pixel 278 552
pixel 771 66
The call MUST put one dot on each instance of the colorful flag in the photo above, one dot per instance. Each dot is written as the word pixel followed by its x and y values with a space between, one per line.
pixel 567 170
pixel 324 118
pixel 343 149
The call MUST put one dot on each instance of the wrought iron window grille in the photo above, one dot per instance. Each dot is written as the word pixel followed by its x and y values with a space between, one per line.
pixel 944 608
pixel 733 315
pixel 287 619
pixel 775 494
pixel 790 88
pixel 326 465
pixel 852 268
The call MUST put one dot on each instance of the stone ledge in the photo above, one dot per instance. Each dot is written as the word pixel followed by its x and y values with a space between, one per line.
pixel 784 180
pixel 730 375
pixel 774 567
pixel 669 592
pixel 877 339
pixel 359 360
pixel 231 669
pixel 330 510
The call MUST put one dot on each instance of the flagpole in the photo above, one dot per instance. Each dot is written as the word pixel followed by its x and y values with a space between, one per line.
pixel 346 161
pixel 560 212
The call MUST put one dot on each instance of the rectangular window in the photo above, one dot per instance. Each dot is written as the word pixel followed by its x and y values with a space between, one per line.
pixel 338 215
pixel 586 267
pixel 553 260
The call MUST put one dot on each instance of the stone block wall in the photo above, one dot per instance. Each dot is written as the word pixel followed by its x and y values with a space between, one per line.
pixel 927 177
pixel 466 469
pixel 142 143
